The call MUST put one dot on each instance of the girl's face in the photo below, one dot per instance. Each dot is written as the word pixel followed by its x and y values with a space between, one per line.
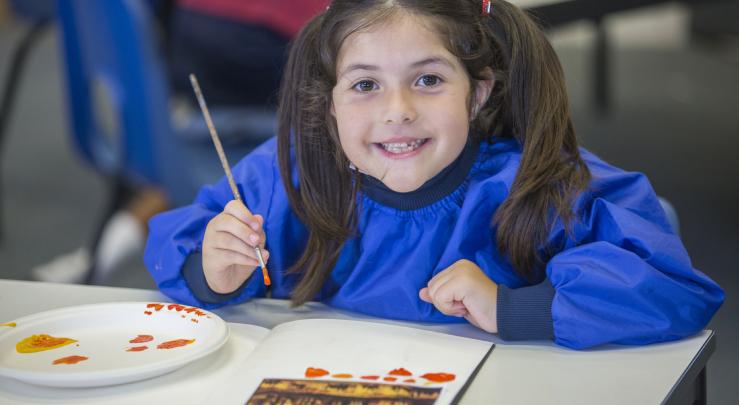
pixel 401 102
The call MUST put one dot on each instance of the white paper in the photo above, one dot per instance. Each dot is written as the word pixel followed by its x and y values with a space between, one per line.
pixel 357 348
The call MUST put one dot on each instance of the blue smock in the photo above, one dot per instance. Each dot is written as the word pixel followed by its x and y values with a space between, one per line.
pixel 621 275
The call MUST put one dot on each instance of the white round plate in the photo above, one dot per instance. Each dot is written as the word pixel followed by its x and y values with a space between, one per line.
pixel 103 332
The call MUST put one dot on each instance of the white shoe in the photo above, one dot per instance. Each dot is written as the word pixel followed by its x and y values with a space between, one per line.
pixel 122 239
pixel 69 268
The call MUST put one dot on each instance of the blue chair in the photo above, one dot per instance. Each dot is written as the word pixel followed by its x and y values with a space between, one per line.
pixel 120 111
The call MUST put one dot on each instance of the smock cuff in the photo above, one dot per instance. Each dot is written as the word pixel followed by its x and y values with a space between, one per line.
pixel 194 276
pixel 526 313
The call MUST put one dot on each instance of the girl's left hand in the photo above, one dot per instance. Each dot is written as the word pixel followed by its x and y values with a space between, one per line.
pixel 463 290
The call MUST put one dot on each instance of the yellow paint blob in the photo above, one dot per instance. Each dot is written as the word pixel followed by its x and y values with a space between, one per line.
pixel 39 343
pixel 9 324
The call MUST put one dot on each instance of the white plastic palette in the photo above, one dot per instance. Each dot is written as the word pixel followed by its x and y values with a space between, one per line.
pixel 103 333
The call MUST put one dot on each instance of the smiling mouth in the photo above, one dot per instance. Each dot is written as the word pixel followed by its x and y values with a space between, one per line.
pixel 403 147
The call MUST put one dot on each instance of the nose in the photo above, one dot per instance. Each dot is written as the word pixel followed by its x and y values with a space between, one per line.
pixel 400 107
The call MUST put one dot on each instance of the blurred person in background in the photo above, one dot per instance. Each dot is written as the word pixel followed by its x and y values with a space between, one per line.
pixel 237 50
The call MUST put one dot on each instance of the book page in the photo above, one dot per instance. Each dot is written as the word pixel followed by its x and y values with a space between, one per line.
pixel 333 360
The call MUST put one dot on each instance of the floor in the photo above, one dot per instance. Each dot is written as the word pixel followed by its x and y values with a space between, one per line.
pixel 675 116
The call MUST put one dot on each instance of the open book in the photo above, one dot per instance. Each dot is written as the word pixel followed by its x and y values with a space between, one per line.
pixel 331 361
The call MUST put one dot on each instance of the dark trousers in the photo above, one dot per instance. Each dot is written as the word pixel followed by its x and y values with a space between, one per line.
pixel 236 63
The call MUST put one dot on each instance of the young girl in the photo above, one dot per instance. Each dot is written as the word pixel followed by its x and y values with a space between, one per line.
pixel 426 169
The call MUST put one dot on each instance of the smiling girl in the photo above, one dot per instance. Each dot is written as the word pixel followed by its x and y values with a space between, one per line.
pixel 426 169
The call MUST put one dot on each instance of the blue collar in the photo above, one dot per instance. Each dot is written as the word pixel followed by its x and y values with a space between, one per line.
pixel 431 191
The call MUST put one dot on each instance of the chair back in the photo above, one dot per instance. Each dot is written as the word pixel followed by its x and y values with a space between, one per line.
pixel 119 103
pixel 116 88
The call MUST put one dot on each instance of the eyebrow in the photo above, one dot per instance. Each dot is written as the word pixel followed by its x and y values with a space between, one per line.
pixel 428 61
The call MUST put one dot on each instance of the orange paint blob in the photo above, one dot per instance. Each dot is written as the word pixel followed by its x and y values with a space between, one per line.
pixel 69 360
pixel 391 379
pixel 311 372
pixel 400 371
pixel 40 343
pixel 176 307
pixel 9 324
pixel 157 307
pixel 137 349
pixel 439 377
pixel 142 339
pixel 342 376
pixel 370 377
pixel 174 343
pixel 148 312
pixel 193 320
pixel 409 381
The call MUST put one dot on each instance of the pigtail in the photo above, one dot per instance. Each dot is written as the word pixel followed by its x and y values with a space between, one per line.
pixel 533 106
pixel 325 196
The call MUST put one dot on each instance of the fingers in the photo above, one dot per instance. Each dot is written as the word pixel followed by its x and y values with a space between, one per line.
pixel 463 290
pixel 442 294
pixel 252 232
pixel 230 257
pixel 231 238
pixel 424 295
pixel 455 308
pixel 239 222
pixel 243 258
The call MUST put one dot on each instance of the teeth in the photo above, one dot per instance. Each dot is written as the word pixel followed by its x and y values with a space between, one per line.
pixel 403 147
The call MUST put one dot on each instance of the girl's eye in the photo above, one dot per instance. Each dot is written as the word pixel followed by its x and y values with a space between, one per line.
pixel 365 86
pixel 429 80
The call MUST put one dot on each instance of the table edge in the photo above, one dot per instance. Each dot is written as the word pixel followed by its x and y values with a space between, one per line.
pixel 691 372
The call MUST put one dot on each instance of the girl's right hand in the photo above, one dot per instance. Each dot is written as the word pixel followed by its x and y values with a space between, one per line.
pixel 228 247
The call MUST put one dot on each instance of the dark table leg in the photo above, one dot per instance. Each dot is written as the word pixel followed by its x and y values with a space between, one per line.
pixel 17 61
pixel 701 397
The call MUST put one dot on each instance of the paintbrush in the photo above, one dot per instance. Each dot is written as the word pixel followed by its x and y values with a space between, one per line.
pixel 224 163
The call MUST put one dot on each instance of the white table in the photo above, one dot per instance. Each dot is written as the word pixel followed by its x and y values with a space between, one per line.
pixel 519 373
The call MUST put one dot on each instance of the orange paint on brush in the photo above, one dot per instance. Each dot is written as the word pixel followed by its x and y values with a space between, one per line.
pixel 171 344
pixel 142 339
pixel 69 360
pixel 311 372
pixel 342 376
pixel 439 377
pixel 400 371
pixel 137 349
pixel 410 381
pixel 370 377
pixel 40 343
pixel 157 307
pixel 265 275
pixel 390 379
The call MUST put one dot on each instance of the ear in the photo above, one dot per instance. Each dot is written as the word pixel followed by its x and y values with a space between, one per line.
pixel 483 88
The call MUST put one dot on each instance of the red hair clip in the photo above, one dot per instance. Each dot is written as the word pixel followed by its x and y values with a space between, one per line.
pixel 487 7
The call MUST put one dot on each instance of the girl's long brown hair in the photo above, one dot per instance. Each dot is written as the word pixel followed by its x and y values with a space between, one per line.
pixel 528 102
